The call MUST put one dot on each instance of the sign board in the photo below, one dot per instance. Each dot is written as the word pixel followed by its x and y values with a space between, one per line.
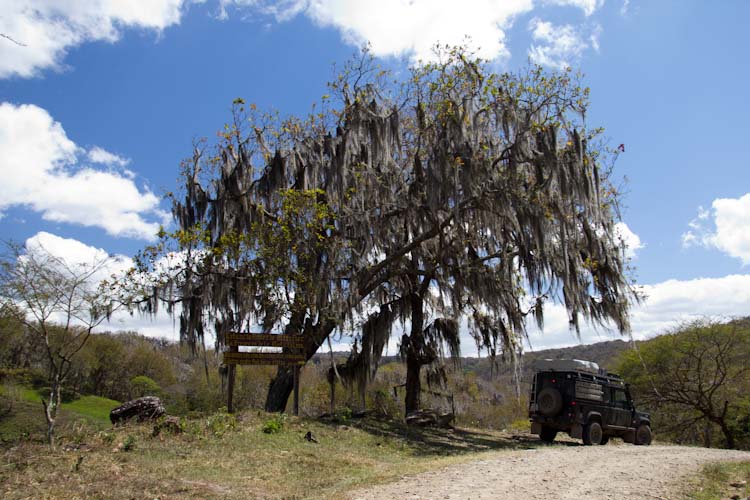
pixel 293 355
pixel 263 358
pixel 265 340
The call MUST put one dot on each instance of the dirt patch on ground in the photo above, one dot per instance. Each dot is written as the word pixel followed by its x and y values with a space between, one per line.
pixel 560 472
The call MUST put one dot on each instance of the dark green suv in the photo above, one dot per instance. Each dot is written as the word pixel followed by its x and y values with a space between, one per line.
pixel 585 401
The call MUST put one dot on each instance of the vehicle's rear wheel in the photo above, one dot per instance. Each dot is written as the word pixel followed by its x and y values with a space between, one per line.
pixel 549 402
pixel 592 433
pixel 643 435
pixel 548 434
pixel 605 440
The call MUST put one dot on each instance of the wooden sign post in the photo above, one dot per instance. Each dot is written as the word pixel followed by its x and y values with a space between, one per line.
pixel 293 355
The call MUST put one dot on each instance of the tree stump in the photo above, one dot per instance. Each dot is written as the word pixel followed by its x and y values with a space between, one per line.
pixel 142 409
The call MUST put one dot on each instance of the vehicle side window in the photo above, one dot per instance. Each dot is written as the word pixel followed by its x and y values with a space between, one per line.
pixel 619 398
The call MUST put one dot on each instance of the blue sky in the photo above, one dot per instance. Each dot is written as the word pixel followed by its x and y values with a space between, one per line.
pixel 101 102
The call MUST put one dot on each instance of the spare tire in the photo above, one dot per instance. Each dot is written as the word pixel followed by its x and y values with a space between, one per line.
pixel 549 402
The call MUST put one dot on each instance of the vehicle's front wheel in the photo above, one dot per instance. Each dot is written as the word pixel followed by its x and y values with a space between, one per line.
pixel 592 433
pixel 643 435
pixel 605 440
pixel 548 434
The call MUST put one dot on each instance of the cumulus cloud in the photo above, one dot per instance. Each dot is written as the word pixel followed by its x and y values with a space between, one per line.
pixel 41 168
pixel 46 29
pixel 725 227
pixel 559 46
pixel 630 240
pixel 76 254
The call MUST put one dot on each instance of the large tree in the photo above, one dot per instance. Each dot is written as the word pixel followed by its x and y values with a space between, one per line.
pixel 479 188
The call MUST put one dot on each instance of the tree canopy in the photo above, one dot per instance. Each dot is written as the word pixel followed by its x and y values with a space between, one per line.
pixel 483 194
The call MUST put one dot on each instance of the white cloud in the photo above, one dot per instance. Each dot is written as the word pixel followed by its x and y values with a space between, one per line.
pixel 104 157
pixel 49 28
pixel 729 231
pixel 398 28
pixel 667 304
pixel 75 254
pixel 630 240
pixel 40 168
pixel 559 46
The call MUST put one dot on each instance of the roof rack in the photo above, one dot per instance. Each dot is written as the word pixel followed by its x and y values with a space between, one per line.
pixel 568 365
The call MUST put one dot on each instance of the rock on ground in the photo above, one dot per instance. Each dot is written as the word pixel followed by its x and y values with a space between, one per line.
pixel 141 409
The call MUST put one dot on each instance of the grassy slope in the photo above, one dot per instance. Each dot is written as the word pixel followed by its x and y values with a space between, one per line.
pixel 25 418
pixel 242 463
pixel 716 481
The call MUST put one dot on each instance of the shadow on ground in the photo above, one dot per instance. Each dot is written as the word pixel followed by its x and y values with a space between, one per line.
pixel 448 441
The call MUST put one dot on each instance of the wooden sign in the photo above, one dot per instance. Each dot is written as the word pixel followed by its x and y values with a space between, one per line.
pixel 263 358
pixel 265 340
pixel 293 355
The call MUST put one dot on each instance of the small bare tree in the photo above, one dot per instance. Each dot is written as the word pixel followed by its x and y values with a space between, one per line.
pixel 59 305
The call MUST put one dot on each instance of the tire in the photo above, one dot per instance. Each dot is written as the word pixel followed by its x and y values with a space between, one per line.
pixel 549 402
pixel 605 440
pixel 548 434
pixel 592 434
pixel 643 435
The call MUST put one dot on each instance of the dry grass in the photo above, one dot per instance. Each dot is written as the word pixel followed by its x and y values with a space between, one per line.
pixel 720 481
pixel 212 460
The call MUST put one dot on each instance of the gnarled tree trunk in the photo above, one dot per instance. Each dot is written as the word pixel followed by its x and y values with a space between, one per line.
pixel 414 355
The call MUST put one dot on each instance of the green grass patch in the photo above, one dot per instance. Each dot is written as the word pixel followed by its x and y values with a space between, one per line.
pixel 94 407
pixel 720 481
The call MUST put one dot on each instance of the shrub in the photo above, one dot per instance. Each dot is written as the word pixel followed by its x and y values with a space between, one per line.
pixel 129 443
pixel 144 386
pixel 273 425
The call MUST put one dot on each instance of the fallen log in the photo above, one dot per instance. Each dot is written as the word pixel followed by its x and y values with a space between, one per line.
pixel 141 409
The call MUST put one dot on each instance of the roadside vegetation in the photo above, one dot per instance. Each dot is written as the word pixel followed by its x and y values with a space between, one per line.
pixel 720 481
pixel 228 456
pixel 696 381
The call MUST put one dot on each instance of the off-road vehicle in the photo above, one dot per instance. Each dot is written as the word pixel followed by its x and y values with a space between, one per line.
pixel 585 401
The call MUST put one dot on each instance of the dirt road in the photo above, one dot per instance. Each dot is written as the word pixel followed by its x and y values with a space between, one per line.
pixel 560 472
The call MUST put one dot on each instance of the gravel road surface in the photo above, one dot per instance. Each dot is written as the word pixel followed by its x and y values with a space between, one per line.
pixel 562 473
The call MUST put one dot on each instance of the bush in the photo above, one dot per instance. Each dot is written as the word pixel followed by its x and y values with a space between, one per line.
pixel 129 443
pixel 274 425
pixel 144 386
pixel 219 423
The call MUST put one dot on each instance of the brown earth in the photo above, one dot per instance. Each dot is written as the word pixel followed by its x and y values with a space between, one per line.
pixel 561 471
